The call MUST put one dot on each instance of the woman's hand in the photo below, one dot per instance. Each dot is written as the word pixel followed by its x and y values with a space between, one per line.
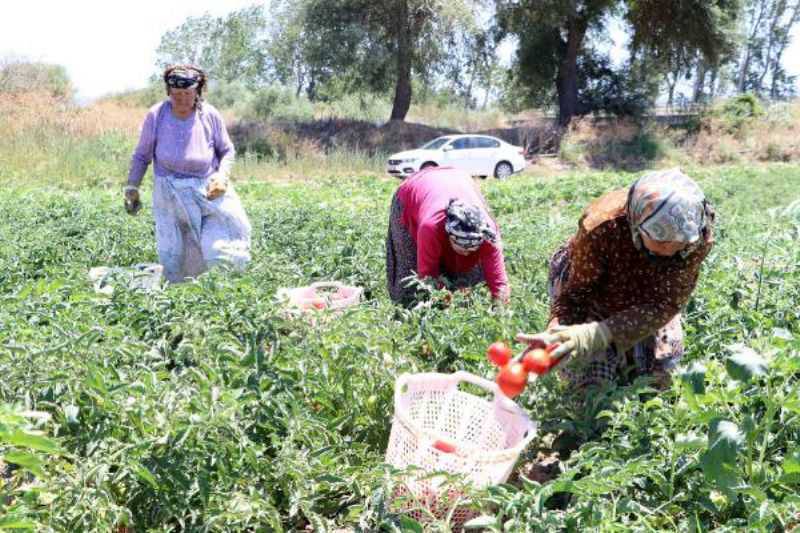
pixel 579 340
pixel 132 201
pixel 217 186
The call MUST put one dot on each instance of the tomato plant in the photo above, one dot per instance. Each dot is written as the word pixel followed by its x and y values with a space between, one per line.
pixel 203 407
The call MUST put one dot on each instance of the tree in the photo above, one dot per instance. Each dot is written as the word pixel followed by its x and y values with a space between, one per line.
pixel 553 36
pixel 379 42
pixel 229 48
pixel 767 28
pixel 18 75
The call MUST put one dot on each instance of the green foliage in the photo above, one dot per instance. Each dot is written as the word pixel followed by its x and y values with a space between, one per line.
pixel 229 48
pixel 204 407
pixel 737 113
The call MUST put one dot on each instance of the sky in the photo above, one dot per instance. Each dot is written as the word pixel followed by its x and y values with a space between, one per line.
pixel 108 46
pixel 105 45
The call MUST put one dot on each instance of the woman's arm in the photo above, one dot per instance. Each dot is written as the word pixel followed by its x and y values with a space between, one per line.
pixel 494 268
pixel 223 147
pixel 143 154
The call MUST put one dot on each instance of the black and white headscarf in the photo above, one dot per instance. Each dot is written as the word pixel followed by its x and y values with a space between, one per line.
pixel 183 78
pixel 467 225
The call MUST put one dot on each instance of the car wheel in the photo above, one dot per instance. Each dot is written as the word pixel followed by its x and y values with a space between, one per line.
pixel 428 165
pixel 503 170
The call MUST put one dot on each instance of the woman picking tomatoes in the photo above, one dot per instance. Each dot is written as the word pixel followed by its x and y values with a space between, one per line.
pixel 618 285
pixel 440 226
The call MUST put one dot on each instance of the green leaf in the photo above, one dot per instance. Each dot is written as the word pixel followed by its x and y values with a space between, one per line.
pixel 690 441
pixel 791 462
pixel 719 462
pixel 29 440
pixel 12 522
pixel 694 379
pixel 409 524
pixel 481 522
pixel 744 363
pixel 145 475
pixel 26 460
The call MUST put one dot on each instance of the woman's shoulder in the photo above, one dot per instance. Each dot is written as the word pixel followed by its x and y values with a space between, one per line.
pixel 156 108
pixel 211 111
pixel 605 211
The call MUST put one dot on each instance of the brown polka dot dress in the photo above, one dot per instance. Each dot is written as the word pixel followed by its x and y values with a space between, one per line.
pixel 600 275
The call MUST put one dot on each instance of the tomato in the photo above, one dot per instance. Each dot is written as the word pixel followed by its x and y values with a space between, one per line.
pixel 499 353
pixel 444 446
pixel 538 361
pixel 512 379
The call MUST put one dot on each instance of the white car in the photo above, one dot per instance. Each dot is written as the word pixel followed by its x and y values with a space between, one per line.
pixel 480 155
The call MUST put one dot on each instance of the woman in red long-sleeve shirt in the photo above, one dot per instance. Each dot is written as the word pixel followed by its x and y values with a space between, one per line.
pixel 440 226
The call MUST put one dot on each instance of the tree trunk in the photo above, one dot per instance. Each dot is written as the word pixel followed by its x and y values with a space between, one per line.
pixel 748 48
pixel 567 81
pixel 699 81
pixel 776 15
pixel 311 88
pixel 402 89
pixel 712 84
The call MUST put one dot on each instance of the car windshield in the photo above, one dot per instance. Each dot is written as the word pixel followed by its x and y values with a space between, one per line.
pixel 436 143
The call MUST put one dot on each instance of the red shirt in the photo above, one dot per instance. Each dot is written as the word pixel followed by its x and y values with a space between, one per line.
pixel 424 197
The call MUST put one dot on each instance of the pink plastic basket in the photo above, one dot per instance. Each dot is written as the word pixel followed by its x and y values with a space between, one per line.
pixel 439 428
pixel 321 295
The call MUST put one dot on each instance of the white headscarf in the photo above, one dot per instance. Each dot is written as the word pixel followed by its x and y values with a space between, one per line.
pixel 666 205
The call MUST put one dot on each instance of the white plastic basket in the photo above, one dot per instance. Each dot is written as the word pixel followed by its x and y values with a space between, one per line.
pixel 142 276
pixel 488 435
pixel 321 295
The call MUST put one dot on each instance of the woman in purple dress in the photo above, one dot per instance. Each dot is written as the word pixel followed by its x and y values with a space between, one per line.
pixel 199 218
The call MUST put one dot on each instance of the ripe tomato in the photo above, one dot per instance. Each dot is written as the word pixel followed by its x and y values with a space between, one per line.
pixel 499 353
pixel 538 361
pixel 319 303
pixel 512 379
pixel 444 446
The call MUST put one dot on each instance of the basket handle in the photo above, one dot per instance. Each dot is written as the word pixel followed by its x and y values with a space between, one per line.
pixel 478 381
pixel 326 284
pixel 504 401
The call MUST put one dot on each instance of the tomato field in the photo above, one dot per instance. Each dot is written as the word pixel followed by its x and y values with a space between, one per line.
pixel 204 407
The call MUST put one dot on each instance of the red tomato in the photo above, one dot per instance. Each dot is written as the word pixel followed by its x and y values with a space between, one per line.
pixel 499 353
pixel 512 379
pixel 319 303
pixel 444 446
pixel 538 361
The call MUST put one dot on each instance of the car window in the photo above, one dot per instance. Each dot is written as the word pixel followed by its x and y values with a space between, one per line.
pixel 436 143
pixel 484 142
pixel 461 144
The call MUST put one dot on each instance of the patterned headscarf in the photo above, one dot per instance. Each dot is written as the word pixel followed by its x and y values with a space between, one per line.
pixel 666 205
pixel 467 225
pixel 183 78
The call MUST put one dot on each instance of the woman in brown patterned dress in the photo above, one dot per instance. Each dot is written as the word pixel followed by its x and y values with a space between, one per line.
pixel 618 285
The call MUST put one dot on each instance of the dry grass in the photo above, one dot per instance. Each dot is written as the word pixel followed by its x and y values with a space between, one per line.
pixel 46 140
pixel 457 118
pixel 23 113
pixel 775 137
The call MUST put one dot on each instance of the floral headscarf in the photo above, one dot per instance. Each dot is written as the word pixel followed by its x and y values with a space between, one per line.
pixel 666 205
pixel 467 225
